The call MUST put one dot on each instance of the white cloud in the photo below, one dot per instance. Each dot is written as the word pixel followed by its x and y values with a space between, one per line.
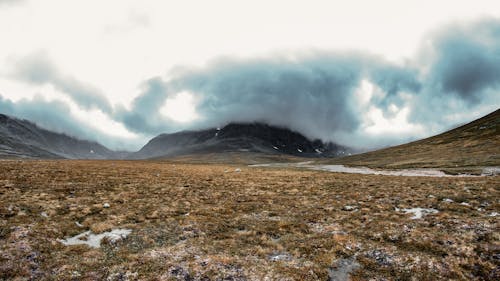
pixel 180 108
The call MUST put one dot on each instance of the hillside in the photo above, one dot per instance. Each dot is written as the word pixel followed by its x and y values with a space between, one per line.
pixel 252 137
pixel 471 145
pixel 24 139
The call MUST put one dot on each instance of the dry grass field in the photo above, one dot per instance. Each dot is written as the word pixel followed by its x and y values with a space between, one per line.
pixel 234 222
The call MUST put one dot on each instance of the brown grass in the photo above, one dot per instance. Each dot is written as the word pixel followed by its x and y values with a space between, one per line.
pixel 209 222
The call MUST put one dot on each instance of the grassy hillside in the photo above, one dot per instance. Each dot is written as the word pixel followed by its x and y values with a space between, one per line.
pixel 471 145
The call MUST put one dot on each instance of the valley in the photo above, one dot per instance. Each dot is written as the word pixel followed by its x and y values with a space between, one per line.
pixel 250 202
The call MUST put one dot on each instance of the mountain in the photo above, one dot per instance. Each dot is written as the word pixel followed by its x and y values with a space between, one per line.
pixel 238 137
pixel 471 145
pixel 24 139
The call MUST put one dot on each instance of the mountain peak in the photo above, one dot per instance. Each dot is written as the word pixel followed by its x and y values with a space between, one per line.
pixel 24 139
pixel 238 137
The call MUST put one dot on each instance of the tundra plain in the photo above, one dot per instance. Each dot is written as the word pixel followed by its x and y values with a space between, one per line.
pixel 234 222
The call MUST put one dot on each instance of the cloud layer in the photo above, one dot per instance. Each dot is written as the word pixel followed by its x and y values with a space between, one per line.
pixel 38 69
pixel 455 76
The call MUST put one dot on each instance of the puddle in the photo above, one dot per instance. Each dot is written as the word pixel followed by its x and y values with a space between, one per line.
pixel 418 213
pixel 491 171
pixel 368 171
pixel 280 257
pixel 343 268
pixel 94 240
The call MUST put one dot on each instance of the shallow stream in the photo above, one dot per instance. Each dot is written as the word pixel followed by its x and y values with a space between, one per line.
pixel 368 171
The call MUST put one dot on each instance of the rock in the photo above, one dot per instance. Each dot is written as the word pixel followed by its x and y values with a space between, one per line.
pixel 280 257
pixel 152 215
pixel 106 205
pixel 349 208
pixel 381 257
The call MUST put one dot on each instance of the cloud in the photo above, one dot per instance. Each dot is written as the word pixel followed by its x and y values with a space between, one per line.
pixel 144 116
pixel 52 115
pixel 37 68
pixel 455 77
pixel 57 116
pixel 11 2
pixel 310 94
pixel 392 81
pixel 134 21
pixel 313 93
pixel 463 72
pixel 467 60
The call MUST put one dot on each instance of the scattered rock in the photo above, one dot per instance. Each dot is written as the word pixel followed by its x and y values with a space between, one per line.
pixel 418 213
pixel 94 240
pixel 349 208
pixel 180 273
pixel 381 257
pixel 280 257
pixel 122 276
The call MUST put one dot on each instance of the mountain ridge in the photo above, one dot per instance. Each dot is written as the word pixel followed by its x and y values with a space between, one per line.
pixel 473 144
pixel 238 137
pixel 21 138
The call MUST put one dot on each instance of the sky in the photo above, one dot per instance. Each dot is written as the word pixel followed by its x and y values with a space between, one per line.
pixel 365 74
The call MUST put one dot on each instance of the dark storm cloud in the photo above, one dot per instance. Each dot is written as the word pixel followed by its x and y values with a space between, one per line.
pixel 38 69
pixel 314 92
pixel 309 94
pixel 393 80
pixel 144 116
pixel 467 61
pixel 463 73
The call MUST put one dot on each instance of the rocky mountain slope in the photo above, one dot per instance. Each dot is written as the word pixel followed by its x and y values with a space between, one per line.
pixel 251 137
pixel 24 139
